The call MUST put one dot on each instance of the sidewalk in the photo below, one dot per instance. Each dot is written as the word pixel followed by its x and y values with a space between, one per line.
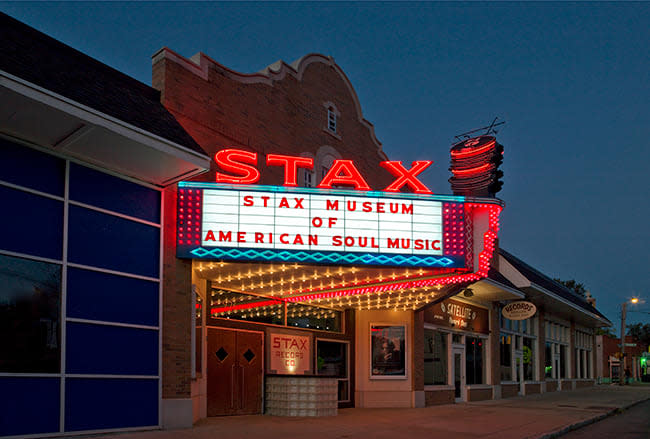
pixel 535 416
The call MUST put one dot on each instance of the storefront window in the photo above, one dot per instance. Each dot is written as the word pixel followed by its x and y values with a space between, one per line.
pixel 435 357
pixel 242 306
pixel 474 348
pixel 332 360
pixel 312 317
pixel 548 360
pixel 506 357
pixel 529 359
pixel 30 310
pixel 563 361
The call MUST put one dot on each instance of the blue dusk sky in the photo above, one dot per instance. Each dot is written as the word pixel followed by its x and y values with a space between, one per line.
pixel 572 81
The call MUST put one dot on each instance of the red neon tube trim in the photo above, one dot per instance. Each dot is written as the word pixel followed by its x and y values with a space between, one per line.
pixel 471 171
pixel 351 176
pixel 462 154
pixel 407 177
pixel 237 162
pixel 245 306
pixel 291 165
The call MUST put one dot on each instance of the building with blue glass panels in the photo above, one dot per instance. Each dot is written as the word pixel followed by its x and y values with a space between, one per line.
pixel 80 253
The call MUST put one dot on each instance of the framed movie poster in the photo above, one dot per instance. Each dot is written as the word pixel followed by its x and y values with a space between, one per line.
pixel 387 351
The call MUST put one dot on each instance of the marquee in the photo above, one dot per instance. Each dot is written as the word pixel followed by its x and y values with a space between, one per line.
pixel 329 226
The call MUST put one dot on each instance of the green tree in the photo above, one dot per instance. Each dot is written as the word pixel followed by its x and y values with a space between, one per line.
pixel 640 331
pixel 606 331
pixel 574 286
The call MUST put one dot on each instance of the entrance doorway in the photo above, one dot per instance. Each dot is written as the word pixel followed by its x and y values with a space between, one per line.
pixel 235 372
pixel 458 361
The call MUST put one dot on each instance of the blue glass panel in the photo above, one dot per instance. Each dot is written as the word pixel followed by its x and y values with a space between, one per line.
pixel 106 241
pixel 31 168
pixel 30 316
pixel 112 193
pixel 96 404
pixel 113 350
pixel 31 224
pixel 29 405
pixel 101 296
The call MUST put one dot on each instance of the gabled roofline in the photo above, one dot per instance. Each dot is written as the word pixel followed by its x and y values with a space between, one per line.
pixel 200 63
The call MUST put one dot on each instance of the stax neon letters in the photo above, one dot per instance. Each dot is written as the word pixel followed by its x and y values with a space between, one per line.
pixel 241 168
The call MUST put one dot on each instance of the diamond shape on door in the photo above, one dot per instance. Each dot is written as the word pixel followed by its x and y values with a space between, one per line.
pixel 249 355
pixel 221 354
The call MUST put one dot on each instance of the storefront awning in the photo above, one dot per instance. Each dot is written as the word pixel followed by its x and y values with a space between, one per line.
pixel 41 117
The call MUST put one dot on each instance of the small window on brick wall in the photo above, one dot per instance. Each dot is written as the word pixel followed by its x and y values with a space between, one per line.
pixel 309 178
pixel 331 119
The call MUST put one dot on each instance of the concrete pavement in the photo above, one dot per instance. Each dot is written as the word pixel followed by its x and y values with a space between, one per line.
pixel 535 416
pixel 633 423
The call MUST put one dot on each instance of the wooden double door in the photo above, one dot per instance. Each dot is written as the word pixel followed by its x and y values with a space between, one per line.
pixel 235 372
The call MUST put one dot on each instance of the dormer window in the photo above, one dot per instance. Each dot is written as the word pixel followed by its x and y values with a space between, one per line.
pixel 331 119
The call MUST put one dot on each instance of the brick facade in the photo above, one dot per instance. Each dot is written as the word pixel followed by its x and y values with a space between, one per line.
pixel 177 309
pixel 438 397
pixel 283 111
pixel 479 394
pixel 509 390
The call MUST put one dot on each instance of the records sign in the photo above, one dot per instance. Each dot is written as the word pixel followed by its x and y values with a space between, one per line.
pixel 519 310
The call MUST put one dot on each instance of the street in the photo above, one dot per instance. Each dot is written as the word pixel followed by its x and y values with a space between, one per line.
pixel 633 423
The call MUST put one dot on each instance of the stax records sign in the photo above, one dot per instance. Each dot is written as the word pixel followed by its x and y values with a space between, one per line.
pixel 458 315
pixel 289 354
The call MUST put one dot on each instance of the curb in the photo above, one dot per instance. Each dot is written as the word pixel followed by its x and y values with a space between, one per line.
pixel 578 425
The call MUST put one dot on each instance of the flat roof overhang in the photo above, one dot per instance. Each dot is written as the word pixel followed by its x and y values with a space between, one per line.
pixel 558 306
pixel 41 117
pixel 489 290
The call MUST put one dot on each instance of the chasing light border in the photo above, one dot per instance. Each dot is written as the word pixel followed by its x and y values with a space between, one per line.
pixel 318 257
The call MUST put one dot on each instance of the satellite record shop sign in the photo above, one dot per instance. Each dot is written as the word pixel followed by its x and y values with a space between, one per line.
pixel 234 219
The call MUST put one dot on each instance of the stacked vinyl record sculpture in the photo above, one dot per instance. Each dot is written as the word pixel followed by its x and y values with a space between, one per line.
pixel 475 167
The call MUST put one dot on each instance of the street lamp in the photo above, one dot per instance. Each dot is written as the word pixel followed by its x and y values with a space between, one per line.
pixel 621 373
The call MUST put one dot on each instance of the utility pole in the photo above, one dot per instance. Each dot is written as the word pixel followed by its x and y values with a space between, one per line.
pixel 621 373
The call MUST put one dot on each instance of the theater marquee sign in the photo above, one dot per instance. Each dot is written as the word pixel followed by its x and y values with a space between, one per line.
pixel 234 219
pixel 458 315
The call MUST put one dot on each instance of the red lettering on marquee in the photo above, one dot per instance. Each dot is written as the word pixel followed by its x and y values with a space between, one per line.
pixel 406 177
pixel 291 165
pixel 237 162
pixel 332 204
pixel 344 172
pixel 242 166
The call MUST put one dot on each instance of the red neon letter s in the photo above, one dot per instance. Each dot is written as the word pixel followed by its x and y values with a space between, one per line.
pixel 291 165
pixel 235 161
pixel 407 177
pixel 350 177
